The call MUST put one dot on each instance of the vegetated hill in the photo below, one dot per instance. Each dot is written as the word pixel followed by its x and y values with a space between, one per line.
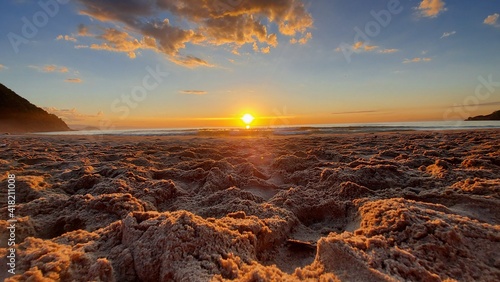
pixel 492 116
pixel 18 115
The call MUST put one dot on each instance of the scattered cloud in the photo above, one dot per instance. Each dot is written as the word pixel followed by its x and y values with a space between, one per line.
pixel 265 50
pixel 416 60
pixel 66 38
pixel 72 116
pixel 388 51
pixel 302 40
pixel 448 34
pixel 492 20
pixel 2 67
pixel 193 92
pixel 191 61
pixel 138 25
pixel 370 48
pixel 83 30
pixel 431 8
pixel 50 68
pixel 73 80
pixel 361 46
pixel 58 69
pixel 119 41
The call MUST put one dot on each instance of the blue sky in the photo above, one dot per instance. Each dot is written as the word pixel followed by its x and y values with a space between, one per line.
pixel 83 61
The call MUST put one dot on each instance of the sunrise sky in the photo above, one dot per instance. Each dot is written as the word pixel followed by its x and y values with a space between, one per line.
pixel 191 63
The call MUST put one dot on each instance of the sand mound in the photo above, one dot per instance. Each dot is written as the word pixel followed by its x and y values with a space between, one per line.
pixel 408 240
pixel 367 207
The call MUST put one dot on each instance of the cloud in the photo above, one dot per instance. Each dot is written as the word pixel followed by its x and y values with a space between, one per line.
pixel 448 34
pixel 83 30
pixel 431 8
pixel 416 60
pixel 370 48
pixel 388 51
pixel 492 20
pixel 191 62
pixel 66 38
pixel 119 41
pixel 361 46
pixel 193 92
pixel 265 50
pixel 204 22
pixel 72 116
pixel 50 68
pixel 58 69
pixel 302 40
pixel 73 80
pixel 2 67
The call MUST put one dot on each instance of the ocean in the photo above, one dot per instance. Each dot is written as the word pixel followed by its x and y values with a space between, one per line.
pixel 295 130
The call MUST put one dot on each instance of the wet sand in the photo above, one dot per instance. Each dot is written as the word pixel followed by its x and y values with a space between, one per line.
pixel 416 206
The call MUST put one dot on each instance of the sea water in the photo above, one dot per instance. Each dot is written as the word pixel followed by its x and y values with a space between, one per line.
pixel 311 129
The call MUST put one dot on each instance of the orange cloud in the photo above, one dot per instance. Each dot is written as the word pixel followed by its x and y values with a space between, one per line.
pixel 265 50
pixel 302 40
pixel 213 22
pixel 118 41
pixel 492 20
pixel 72 116
pixel 370 48
pixel 50 68
pixel 431 8
pixel 388 51
pixel 361 46
pixel 83 30
pixel 66 38
pixel 416 60
pixel 190 61
pixel 193 92
pixel 74 80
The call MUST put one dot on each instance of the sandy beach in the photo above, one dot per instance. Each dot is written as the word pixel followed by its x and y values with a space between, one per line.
pixel 397 206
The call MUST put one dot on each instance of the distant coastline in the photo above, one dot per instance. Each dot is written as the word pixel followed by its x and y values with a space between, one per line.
pixel 492 116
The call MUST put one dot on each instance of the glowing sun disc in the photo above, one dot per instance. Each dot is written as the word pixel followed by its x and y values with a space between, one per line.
pixel 247 119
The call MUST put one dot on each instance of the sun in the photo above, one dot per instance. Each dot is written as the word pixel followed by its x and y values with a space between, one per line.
pixel 247 119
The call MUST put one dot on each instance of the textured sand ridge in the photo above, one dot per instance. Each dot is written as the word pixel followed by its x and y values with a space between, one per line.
pixel 416 206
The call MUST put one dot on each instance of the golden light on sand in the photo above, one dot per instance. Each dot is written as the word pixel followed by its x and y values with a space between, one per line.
pixel 247 119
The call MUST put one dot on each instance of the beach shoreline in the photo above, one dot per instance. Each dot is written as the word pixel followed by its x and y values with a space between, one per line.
pixel 379 206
